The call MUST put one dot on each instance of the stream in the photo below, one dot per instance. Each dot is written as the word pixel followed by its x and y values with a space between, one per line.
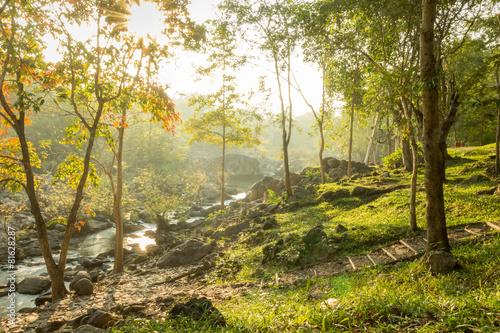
pixel 91 246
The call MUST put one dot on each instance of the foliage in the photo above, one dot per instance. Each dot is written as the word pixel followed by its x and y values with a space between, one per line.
pixel 161 191
pixel 395 160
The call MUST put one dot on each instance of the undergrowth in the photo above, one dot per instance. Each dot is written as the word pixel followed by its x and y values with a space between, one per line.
pixel 400 298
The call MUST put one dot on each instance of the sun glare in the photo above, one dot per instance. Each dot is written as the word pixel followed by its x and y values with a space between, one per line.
pixel 145 19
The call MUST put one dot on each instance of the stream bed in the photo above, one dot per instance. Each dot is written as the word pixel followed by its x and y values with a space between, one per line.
pixel 91 246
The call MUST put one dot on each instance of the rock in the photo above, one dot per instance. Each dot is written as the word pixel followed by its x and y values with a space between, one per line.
pixel 197 211
pixel 93 226
pixel 314 237
pixel 360 191
pixel 213 209
pixel 340 229
pixel 88 329
pixel 332 162
pixel 44 298
pixel 385 174
pixel 185 254
pixel 330 196
pixel 270 223
pixel 231 230
pixel 51 326
pixel 441 262
pixel 93 263
pixel 336 174
pixel 475 179
pixel 294 178
pixel 254 213
pixel 80 275
pixel 270 251
pixel 199 310
pixel 100 319
pixel 132 227
pixel 300 192
pixel 331 303
pixel 33 285
pixel 84 287
pixel 316 295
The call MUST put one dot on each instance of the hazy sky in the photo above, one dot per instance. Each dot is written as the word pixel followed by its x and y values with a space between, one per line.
pixel 180 73
pixel 183 70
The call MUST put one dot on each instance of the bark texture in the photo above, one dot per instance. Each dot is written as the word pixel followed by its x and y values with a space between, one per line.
pixel 437 237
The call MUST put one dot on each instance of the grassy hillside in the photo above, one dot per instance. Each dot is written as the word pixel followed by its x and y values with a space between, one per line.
pixel 390 298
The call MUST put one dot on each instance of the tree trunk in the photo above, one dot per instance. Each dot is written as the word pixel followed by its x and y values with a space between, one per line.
pixel 406 154
pixel 437 236
pixel 117 198
pixel 223 167
pixel 321 150
pixel 414 148
pixel 388 138
pixel 350 137
pixel 372 139
pixel 497 145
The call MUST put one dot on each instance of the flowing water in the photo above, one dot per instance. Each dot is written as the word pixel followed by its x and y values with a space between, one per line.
pixel 91 246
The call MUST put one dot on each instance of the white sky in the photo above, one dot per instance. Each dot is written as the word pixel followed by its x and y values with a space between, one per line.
pixel 180 73
pixel 307 75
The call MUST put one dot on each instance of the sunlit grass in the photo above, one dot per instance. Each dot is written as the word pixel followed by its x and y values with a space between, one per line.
pixel 400 298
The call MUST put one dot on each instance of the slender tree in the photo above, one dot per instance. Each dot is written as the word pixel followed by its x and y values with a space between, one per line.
pixel 221 117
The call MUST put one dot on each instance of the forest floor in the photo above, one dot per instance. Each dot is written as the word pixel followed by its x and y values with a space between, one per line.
pixel 366 275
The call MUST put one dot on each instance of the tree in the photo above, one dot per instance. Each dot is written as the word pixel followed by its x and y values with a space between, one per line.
pixel 139 89
pixel 220 117
pixel 276 36
pixel 89 77
pixel 437 236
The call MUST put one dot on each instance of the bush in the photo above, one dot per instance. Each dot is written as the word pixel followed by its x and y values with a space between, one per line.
pixel 395 160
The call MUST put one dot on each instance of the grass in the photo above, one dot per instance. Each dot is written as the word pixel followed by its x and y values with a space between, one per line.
pixel 400 298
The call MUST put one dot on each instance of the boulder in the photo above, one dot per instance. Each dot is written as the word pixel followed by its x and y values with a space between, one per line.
pixel 199 310
pixel 51 326
pixel 80 275
pixel 93 226
pixel 359 191
pixel 185 254
pixel 294 178
pixel 300 192
pixel 88 329
pixel 197 211
pixel 33 285
pixel 84 287
pixel 43 298
pixel 93 263
pixel 336 174
pixel 314 237
pixel 334 195
pixel 270 223
pixel 232 230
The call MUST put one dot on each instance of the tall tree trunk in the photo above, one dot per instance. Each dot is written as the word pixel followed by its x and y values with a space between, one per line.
pixel 350 137
pixel 223 166
pixel 372 139
pixel 117 198
pixel 497 145
pixel 437 236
